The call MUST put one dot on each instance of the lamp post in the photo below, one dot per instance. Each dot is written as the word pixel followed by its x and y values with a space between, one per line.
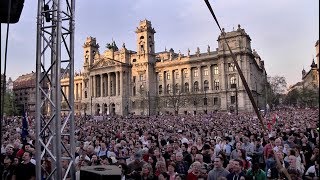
pixel 205 99
pixel 234 86
pixel 236 99
pixel 148 103
pixel 91 105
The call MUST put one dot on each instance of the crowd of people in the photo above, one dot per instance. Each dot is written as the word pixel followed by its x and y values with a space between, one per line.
pixel 208 146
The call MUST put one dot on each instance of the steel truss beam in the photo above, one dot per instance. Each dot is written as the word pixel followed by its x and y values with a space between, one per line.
pixel 54 61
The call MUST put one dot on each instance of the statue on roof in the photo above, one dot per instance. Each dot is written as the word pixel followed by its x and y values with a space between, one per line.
pixel 198 51
pixel 112 46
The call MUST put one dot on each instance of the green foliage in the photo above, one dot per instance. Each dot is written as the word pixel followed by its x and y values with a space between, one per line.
pixel 10 107
pixel 275 88
pixel 303 98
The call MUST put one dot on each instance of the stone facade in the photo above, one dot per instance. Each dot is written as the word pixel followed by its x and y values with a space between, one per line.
pixel 310 79
pixel 122 81
pixel 24 89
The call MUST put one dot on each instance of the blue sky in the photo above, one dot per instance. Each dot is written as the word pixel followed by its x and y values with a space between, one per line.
pixel 283 32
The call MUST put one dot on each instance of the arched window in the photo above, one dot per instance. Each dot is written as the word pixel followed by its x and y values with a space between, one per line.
pixel 141 89
pixel 216 84
pixel 176 88
pixel 206 85
pixel 134 90
pixel 232 81
pixel 160 89
pixel 186 87
pixel 168 89
pixel 196 86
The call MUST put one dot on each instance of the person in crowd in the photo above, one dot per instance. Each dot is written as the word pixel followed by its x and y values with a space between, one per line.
pixel 255 172
pixel 195 173
pixel 25 170
pixel 117 139
pixel 313 171
pixel 8 168
pixel 218 171
pixel 181 165
pixel 237 173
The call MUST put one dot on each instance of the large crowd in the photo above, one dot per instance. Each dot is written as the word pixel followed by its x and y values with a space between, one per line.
pixel 208 146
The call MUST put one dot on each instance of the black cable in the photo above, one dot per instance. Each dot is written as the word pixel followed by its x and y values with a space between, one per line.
pixel 4 72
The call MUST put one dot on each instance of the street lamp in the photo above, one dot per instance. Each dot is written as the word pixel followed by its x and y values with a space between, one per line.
pixel 91 105
pixel 234 86
pixel 205 98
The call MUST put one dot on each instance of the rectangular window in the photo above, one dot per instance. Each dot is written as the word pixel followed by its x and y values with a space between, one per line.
pixel 215 101
pixel 230 67
pixel 215 69
pixel 134 79
pixel 185 73
pixel 233 99
pixel 141 77
pixel 206 72
pixel 177 74
pixel 160 77
pixel 216 85
pixel 195 73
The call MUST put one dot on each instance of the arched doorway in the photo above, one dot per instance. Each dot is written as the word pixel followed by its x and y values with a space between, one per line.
pixel 105 109
pixel 98 109
pixel 112 109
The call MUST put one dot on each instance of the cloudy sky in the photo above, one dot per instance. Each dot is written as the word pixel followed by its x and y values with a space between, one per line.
pixel 283 32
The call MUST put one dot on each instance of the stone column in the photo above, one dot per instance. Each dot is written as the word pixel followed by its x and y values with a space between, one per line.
pixel 80 91
pixel 109 84
pixel 173 80
pixel 210 77
pixel 201 87
pixel 222 75
pixel 101 85
pixel 190 79
pixel 90 87
pixel 76 91
pixel 163 82
pixel 116 84
pixel 181 80
pixel 94 86
pixel 121 83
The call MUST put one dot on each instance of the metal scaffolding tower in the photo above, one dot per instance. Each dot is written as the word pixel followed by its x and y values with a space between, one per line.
pixel 54 61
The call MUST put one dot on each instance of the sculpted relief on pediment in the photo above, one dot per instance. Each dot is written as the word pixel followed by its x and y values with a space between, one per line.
pixel 105 63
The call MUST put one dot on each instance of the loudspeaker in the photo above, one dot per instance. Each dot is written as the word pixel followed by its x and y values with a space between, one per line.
pixel 15 10
pixel 110 172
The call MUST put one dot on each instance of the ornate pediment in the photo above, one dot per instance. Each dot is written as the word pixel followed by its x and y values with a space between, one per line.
pixel 105 63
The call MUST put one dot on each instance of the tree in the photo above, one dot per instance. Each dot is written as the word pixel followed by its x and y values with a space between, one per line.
pixel 275 89
pixel 309 97
pixel 292 98
pixel 10 105
pixel 175 98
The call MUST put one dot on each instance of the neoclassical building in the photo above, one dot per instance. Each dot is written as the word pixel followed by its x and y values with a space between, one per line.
pixel 309 79
pixel 142 81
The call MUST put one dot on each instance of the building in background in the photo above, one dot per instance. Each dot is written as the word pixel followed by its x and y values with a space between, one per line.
pixel 142 81
pixel 24 89
pixel 310 79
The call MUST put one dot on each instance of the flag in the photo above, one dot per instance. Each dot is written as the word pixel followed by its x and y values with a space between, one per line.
pixel 24 132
